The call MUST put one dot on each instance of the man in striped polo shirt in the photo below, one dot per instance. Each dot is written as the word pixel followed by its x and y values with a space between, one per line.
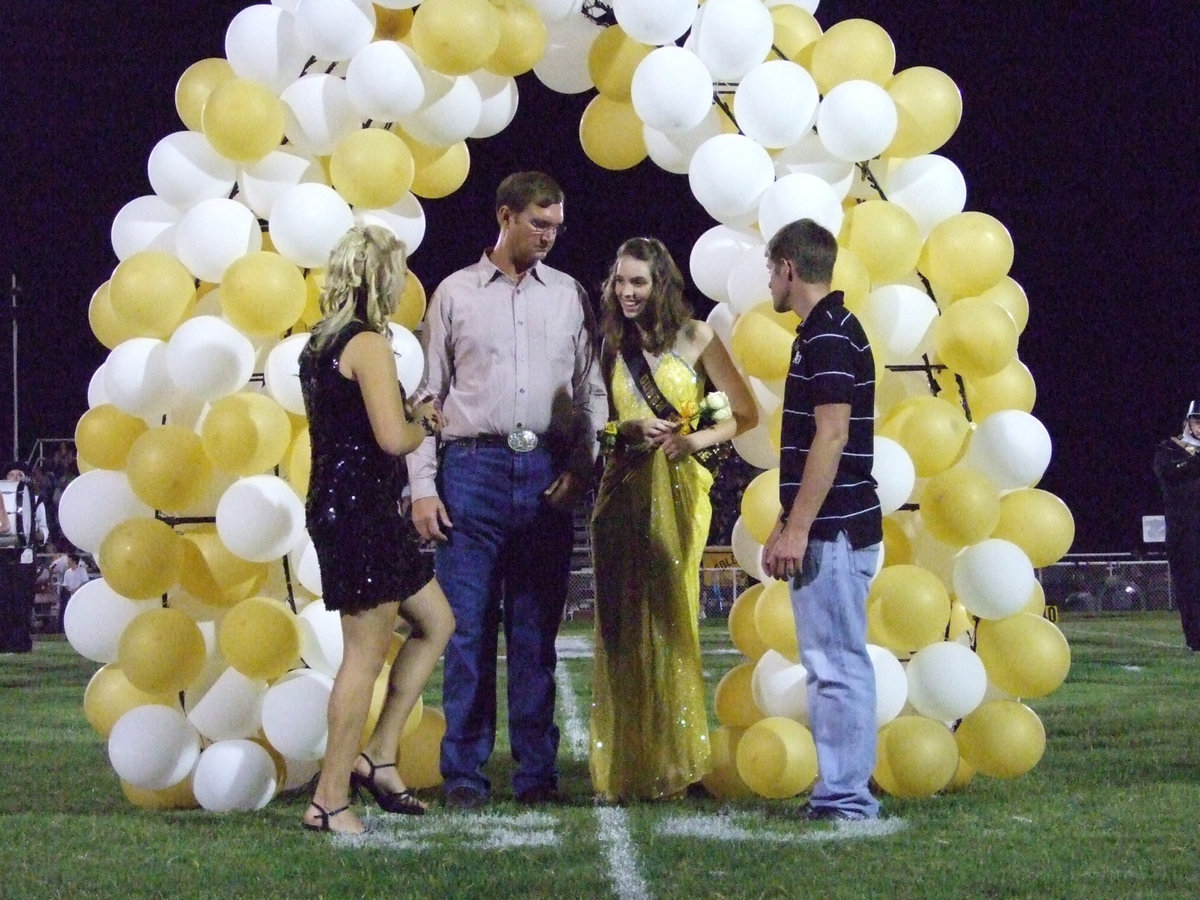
pixel 827 540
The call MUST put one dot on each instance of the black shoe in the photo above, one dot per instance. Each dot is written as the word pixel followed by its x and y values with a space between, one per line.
pixel 404 802
pixel 829 814
pixel 539 796
pixel 464 797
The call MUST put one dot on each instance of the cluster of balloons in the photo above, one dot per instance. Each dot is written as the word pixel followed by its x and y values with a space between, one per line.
pixel 217 662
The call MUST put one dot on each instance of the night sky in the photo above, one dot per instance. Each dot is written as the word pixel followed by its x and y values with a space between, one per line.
pixel 1079 133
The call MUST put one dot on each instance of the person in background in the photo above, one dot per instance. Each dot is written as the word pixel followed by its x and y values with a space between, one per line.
pixel 827 540
pixel 371 568
pixel 649 729
pixel 509 352
pixel 75 577
pixel 26 511
pixel 1177 468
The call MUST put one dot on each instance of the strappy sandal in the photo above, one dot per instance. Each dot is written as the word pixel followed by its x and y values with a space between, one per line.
pixel 404 802
pixel 325 815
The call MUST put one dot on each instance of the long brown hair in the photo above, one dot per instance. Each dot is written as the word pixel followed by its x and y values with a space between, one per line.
pixel 666 311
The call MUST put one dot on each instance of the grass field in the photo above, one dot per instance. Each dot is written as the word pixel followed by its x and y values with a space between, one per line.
pixel 1111 810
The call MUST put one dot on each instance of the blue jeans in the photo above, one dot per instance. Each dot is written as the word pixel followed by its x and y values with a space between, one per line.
pixel 507 560
pixel 829 599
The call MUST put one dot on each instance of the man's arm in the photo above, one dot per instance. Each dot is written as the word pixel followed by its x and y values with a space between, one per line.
pixel 428 513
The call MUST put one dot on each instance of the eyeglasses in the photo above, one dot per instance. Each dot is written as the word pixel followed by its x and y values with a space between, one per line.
pixel 542 226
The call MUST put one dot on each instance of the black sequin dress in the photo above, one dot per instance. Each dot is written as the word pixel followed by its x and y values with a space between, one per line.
pixel 368 550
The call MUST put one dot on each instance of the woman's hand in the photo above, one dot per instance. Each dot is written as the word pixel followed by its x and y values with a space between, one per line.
pixel 680 446
pixel 650 431
pixel 428 414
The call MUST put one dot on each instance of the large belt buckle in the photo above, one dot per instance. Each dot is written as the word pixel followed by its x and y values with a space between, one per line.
pixel 522 440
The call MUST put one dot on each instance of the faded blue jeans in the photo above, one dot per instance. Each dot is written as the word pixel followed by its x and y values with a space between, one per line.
pixel 829 599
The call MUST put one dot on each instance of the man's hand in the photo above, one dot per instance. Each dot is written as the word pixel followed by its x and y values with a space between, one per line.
pixel 783 553
pixel 430 517
pixel 565 491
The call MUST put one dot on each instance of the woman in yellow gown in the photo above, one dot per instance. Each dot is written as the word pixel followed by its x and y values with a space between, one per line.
pixel 649 728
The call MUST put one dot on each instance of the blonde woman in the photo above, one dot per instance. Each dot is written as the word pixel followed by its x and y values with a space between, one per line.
pixel 371 570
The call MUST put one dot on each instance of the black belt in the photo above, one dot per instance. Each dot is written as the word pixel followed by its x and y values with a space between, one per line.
pixel 521 440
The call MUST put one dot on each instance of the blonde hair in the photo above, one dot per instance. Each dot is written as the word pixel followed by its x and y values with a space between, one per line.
pixel 363 280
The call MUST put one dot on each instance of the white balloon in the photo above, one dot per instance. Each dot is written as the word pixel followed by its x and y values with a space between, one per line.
pixel 898 317
pixel 307 222
pixel 184 169
pixel 721 319
pixel 755 447
pixel 384 82
pixel 410 360
pixel 308 568
pixel 732 37
pixel 564 65
pixel 153 747
pixel 657 22
pixel 930 188
pixel 894 474
pixel 96 618
pixel 318 113
pixel 144 223
pixel 808 156
pixel 234 775
pixel 405 219
pixel 799 196
pixel 748 282
pixel 261 45
pixel 334 29
pixel 1011 447
pixel 320 638
pixel 230 708
pixel 93 503
pixel 857 120
pixel 671 90
pixel 779 687
pixel 262 182
pixel 993 579
pixel 281 374
pixel 747 551
pixel 260 518
pixel 673 152
pixel 500 98
pixel 946 681
pixel 452 109
pixel 96 395
pixel 212 234
pixel 728 176
pixel 776 103
pixel 136 380
pixel 207 358
pixel 294 713
pixel 891 684
pixel 713 254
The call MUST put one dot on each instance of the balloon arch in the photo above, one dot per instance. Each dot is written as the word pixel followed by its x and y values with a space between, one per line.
pixel 217 654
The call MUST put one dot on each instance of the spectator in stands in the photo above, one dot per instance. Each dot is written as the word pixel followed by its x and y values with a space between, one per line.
pixel 1177 467
pixel 649 729
pixel 76 576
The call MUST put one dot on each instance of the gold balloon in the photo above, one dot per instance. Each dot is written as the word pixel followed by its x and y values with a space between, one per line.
pixel 392 24
pixel 960 506
pixel 850 276
pixel 742 629
pixel 733 699
pixel 795 30
pixel 967 253
pixel 913 606
pixel 104 434
pixel 439 171
pixel 1010 388
pixel 140 558
pixel 455 36
pixel 150 293
pixel 371 168
pixel 787 320
pixel 194 87
pixel 410 308
pixel 928 110
pixel 522 38
pixel 297 462
pixel 610 132
pixel 852 49
pixel 774 620
pixel 897 546
pixel 975 337
pixel 777 758
pixel 260 638
pixel 417 759
pixel 213 573
pixel 168 469
pixel 760 347
pixel 723 780
pixel 246 433
pixel 1002 739
pixel 1025 655
pixel 885 237
pixel 612 59
pixel 162 650
pixel 311 314
pixel 932 430
pixel 262 293
pixel 109 695
pixel 1039 523
pixel 961 622
pixel 760 505
pixel 108 328
pixel 243 120
pixel 1037 600
pixel 1011 296
pixel 917 757
pixel 177 796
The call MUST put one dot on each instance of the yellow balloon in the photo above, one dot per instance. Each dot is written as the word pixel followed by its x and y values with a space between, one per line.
pixel 931 429
pixel 246 433
pixel 260 638
pixel 742 629
pixel 522 38
pixel 168 469
pixel 897 546
pixel 212 573
pixel 410 309
pixel 850 276
pixel 108 328
pixel 787 320
pixel 109 695
pixel 961 621
pixel 1037 600
pixel 885 237
pixel 177 796
pixel 612 59
pixel 1010 388
pixel 853 49
pixel 913 606
pixel 760 505
pixel 243 120
pixel 967 253
pixel 733 700
pixel 104 434
pixel 194 87
pixel 1025 655
pixel 1011 296
pixel 928 110
pixel 1002 739
pixel 610 132
pixel 392 24
pixel 455 36
pixel 140 558
pixel 960 506
pixel 161 651
pixel 311 314
pixel 439 171
pixel 262 293
pixel 760 347
pixel 297 462
pixel 378 698
pixel 917 757
pixel 975 337
pixel 777 758
pixel 150 293
pixel 795 30
pixel 371 168
pixel 1039 523
pixel 775 621
pixel 417 759
pixel 723 780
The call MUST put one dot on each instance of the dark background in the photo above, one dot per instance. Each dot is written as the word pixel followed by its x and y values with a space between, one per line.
pixel 1079 133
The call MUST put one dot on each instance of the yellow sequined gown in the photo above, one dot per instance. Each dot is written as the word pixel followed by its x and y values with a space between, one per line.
pixel 649 730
